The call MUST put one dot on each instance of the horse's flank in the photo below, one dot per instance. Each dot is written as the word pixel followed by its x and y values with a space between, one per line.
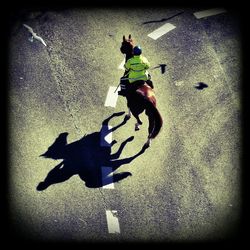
pixel 147 92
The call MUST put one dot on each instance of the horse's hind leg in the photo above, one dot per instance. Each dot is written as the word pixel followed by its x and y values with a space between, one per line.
pixel 139 122
pixel 128 115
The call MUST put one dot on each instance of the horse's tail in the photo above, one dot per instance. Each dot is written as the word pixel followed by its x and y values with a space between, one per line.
pixel 155 120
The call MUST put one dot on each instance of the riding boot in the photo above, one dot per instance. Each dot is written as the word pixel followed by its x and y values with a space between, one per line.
pixel 122 92
pixel 123 84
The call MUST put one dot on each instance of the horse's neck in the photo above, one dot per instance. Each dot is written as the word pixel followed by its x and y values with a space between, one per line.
pixel 128 56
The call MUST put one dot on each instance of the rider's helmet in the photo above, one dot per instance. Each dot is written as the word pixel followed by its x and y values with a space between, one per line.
pixel 137 50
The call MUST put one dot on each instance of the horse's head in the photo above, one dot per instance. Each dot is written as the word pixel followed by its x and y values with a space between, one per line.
pixel 127 47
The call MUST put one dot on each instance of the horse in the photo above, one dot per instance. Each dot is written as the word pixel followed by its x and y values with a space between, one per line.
pixel 143 99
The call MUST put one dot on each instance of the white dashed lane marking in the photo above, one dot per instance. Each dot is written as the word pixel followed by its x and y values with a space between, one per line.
pixel 210 12
pixel 107 172
pixel 107 177
pixel 112 97
pixel 106 136
pixel 161 31
pixel 121 66
pixel 113 223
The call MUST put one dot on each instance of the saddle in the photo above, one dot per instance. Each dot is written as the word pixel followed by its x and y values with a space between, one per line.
pixel 143 90
pixel 127 87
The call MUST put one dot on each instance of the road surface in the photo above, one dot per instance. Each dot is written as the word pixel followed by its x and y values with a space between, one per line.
pixel 185 187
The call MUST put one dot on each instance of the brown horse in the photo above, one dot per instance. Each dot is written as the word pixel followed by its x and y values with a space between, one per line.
pixel 142 99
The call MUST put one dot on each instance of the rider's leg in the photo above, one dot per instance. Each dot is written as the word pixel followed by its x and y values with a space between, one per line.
pixel 124 86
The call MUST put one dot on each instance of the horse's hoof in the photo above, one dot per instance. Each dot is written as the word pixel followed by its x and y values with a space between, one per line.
pixel 137 128
pixel 113 142
pixel 131 138
pixel 119 113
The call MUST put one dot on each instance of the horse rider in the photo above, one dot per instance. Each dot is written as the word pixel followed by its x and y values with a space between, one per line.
pixel 136 72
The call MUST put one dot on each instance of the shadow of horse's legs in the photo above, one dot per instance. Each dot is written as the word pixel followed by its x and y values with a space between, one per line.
pixel 116 164
pixel 119 151
pixel 108 180
pixel 120 176
pixel 121 124
pixel 106 121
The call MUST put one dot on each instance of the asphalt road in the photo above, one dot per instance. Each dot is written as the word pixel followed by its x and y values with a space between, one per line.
pixel 186 186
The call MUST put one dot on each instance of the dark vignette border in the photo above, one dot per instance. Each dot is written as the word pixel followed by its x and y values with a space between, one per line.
pixel 12 12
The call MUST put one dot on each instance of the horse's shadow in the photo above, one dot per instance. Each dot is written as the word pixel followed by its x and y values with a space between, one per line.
pixel 87 157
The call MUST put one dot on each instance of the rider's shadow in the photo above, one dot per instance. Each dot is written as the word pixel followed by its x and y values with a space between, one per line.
pixel 86 157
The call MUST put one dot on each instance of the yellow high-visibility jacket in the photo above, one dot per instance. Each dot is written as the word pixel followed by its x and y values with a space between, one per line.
pixel 137 66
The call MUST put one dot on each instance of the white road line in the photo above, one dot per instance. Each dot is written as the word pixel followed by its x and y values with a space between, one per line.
pixel 107 178
pixel 112 96
pixel 121 66
pixel 161 31
pixel 210 12
pixel 113 223
pixel 106 136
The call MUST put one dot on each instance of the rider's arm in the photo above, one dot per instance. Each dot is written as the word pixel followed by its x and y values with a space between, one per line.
pixel 147 65
pixel 146 62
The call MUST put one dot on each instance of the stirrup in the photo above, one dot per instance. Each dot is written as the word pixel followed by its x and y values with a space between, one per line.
pixel 120 92
pixel 123 90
